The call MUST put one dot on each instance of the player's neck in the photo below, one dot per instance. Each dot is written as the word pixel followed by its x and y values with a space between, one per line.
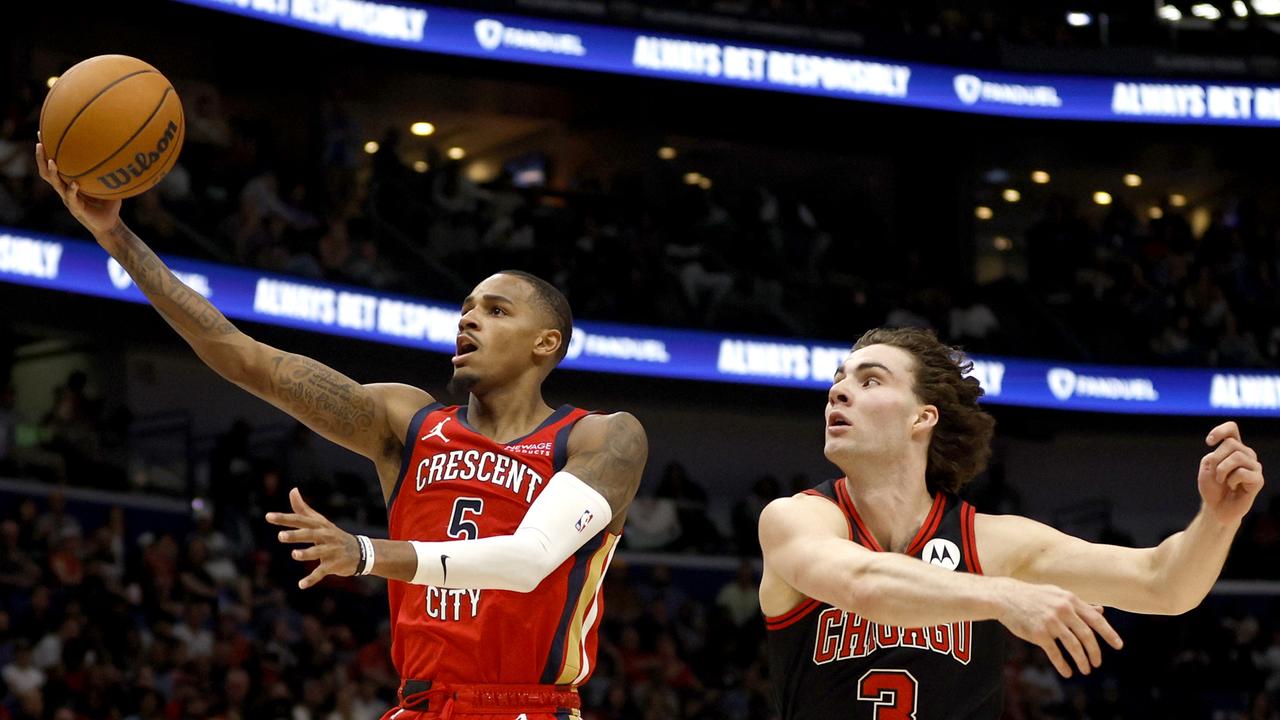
pixel 892 499
pixel 507 413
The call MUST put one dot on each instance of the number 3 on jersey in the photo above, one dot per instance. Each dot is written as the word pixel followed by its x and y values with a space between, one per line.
pixel 460 528
pixel 893 692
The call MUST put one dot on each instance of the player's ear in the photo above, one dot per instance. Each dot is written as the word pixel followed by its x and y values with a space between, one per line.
pixel 926 418
pixel 548 342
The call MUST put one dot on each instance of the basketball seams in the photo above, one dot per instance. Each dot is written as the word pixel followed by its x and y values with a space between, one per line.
pixel 158 175
pixel 73 70
pixel 163 97
pixel 67 130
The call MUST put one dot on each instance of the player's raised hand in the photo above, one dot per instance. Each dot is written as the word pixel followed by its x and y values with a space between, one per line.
pixel 1230 475
pixel 1047 615
pixel 98 216
pixel 337 550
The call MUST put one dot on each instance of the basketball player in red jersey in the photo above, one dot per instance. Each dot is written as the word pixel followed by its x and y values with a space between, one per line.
pixel 884 593
pixel 503 513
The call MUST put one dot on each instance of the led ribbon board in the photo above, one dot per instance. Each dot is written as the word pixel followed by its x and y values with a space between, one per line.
pixel 44 261
pixel 732 63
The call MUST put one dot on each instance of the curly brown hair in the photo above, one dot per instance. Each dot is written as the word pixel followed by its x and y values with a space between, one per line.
pixel 961 442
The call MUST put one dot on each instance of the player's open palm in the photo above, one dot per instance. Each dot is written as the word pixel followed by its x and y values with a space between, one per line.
pixel 337 550
pixel 1049 616
pixel 98 216
pixel 1230 475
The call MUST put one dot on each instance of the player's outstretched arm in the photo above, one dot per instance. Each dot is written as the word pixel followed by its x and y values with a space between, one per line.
pixel 586 498
pixel 807 554
pixel 1168 579
pixel 369 420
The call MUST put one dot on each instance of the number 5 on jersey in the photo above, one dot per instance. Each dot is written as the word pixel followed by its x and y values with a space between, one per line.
pixel 460 528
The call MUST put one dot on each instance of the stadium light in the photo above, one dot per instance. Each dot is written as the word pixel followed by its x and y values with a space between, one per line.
pixel 1132 180
pixel 1206 11
pixel 982 212
pixel 1003 244
pixel 1240 9
pixel 1178 200
pixel 1266 7
pixel 420 166
pixel 422 129
pixel 692 178
pixel 667 153
pixel 1011 195
pixel 456 153
pixel 371 147
pixel 1173 14
pixel 1079 19
pixel 1102 197
pixel 1039 177
pixel 1154 212
pixel 705 183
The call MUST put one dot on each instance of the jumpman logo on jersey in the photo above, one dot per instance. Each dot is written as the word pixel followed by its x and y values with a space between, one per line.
pixel 438 431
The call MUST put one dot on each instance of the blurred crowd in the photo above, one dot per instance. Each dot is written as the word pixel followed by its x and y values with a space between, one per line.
pixel 108 613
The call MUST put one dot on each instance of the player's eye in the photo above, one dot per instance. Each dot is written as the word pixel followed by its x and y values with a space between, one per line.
pixel 868 381
pixel 497 311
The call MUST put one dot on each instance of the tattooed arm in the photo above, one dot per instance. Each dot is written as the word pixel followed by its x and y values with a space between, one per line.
pixel 367 419
pixel 608 453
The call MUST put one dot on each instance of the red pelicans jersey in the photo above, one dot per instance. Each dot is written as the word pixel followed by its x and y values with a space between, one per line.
pixel 456 484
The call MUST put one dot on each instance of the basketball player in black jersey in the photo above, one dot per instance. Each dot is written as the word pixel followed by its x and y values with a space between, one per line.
pixel 884 593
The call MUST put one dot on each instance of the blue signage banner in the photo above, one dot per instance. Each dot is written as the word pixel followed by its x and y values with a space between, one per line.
pixel 43 261
pixel 742 64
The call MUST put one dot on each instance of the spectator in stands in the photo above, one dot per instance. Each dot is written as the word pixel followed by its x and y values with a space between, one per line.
pixel 56 524
pixel 741 598
pixel 746 514
pixel 21 675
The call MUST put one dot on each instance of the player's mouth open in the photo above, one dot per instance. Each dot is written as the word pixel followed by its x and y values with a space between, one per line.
pixel 466 345
pixel 837 421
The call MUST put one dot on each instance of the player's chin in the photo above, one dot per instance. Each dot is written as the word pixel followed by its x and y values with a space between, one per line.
pixel 832 448
pixel 464 380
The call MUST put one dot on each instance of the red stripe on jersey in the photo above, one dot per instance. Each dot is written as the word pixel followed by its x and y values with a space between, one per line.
pixel 790 617
pixel 970 538
pixel 865 537
pixel 930 525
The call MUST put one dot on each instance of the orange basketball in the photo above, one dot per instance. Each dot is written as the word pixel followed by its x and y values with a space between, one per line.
pixel 114 124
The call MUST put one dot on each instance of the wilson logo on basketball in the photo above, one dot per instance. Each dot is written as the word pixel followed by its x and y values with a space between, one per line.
pixel 122 176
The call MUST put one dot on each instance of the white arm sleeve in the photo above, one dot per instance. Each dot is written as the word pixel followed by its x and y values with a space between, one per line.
pixel 565 516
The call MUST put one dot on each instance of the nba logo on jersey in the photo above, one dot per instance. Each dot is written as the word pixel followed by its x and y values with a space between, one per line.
pixel 941 552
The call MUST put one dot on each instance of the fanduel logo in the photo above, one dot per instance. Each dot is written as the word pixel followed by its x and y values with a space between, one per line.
pixel 971 88
pixel 616 347
pixel 492 34
pixel 1065 384
pixel 121 280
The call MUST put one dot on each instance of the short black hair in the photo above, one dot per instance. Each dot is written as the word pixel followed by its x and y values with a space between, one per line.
pixel 554 303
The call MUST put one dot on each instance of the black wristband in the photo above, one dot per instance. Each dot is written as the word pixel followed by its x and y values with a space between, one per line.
pixel 360 569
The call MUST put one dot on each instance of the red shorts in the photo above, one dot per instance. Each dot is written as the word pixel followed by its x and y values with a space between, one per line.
pixel 422 700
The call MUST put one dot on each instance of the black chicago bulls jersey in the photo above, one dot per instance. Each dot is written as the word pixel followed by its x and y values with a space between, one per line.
pixel 826 663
